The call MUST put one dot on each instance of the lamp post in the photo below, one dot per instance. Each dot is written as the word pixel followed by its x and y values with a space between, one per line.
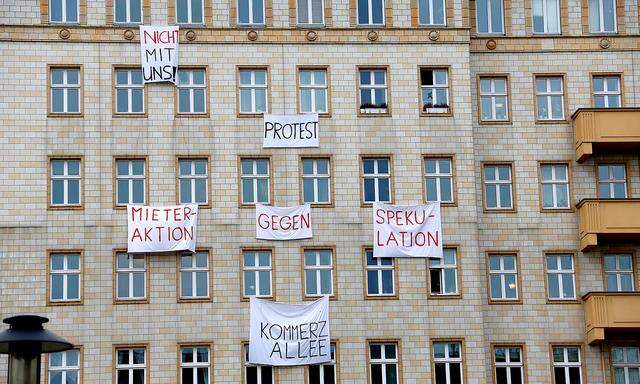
pixel 24 341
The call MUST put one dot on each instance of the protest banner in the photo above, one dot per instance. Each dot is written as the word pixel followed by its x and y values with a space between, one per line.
pixel 289 334
pixel 162 229
pixel 159 53
pixel 407 231
pixel 286 131
pixel 283 223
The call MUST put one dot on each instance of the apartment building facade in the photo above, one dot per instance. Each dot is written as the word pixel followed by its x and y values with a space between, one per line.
pixel 517 116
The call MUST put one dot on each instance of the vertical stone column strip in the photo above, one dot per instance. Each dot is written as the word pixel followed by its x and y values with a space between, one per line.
pixel 388 13
pixel 293 9
pixel 108 12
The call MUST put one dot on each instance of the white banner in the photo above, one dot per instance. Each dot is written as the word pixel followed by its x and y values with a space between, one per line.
pixel 283 223
pixel 411 231
pixel 289 334
pixel 284 131
pixel 162 229
pixel 159 53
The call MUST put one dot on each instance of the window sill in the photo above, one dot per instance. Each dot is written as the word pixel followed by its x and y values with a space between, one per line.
pixel 456 296
pixel 192 115
pixel 373 112
pixel 133 114
pixel 251 26
pixel 563 301
pixel 310 26
pixel 183 300
pixel 319 205
pixel 505 302
pixel 557 210
pixel 495 122
pixel 252 205
pixel 65 208
pixel 313 298
pixel 251 115
pixel 132 301
pixel 552 121
pixel 65 114
pixel 445 113
pixel 493 210
pixel 66 303
pixel 247 298
pixel 382 297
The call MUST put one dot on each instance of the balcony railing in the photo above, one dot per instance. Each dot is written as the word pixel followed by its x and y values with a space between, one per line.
pixel 608 219
pixel 605 129
pixel 611 315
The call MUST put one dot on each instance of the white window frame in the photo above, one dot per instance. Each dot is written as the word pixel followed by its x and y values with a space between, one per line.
pixel 253 86
pixel 556 183
pixel 65 272
pixel 254 176
pixel 565 364
pixel 309 15
pixel 547 94
pixel 383 361
pixel 434 87
pixel 317 268
pixel 490 20
pixel 559 271
pixel 130 270
pixel 508 364
pixel 65 177
pixel 600 26
pixel 492 95
pixel 371 87
pixel 378 267
pixel 429 4
pixel 333 363
pixel 195 364
pixel 128 13
pixel 65 86
pixel 545 13
pixel 251 20
pixel 439 264
pixel 191 87
pixel 496 183
pixel 611 182
pixel 246 363
pixel 502 272
pixel 129 178
pixel 190 14
pixel 129 87
pixel 256 269
pixel 370 13
pixel 131 366
pixel 625 365
pixel 192 177
pixel 314 86
pixel 438 175
pixel 64 13
pixel 193 270
pixel 315 176
pixel 606 93
pixel 618 271
pixel 447 360
pixel 376 176
pixel 64 367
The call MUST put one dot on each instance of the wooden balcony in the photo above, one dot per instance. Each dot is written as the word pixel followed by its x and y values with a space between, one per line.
pixel 608 220
pixel 600 130
pixel 611 315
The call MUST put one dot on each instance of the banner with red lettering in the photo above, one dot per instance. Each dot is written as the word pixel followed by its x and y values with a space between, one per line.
pixel 162 229
pixel 407 231
pixel 283 223
pixel 159 53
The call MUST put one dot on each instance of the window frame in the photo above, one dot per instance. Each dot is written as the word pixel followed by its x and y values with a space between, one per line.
pixel 65 22
pixel 272 258
pixel 389 157
pixel 398 362
pixel 560 4
pixel 143 4
pixel 47 364
pixel 80 69
pixel 566 163
pixel 244 345
pixel 209 346
pixel 623 345
pixel 626 165
pixel 209 269
pixel 489 20
pixel 189 13
pixel 454 185
pixel 115 178
pixel 327 87
pixel 514 196
pixel 252 24
pixel 267 87
pixel 458 265
pixel 119 301
pixel 329 158
pixel 317 25
pixel 66 302
pixel 178 158
pixel 548 94
pixel 523 357
pixel 176 103
pixel 147 359
pixel 583 367
pixel 336 344
pixel 62 207
pixel 634 266
pixel 114 102
pixel 370 23
pixel 445 9
pixel 241 204
pixel 387 89
pixel 463 363
pixel 505 301
pixel 616 19
pixel 396 283
pixel 507 94
pixel 334 275
pixel 620 93
pixel 421 87
pixel 576 275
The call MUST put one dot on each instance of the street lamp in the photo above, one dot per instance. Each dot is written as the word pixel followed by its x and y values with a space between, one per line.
pixel 24 341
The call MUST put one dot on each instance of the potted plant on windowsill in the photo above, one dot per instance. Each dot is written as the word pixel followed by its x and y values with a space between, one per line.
pixel 429 107
pixel 370 108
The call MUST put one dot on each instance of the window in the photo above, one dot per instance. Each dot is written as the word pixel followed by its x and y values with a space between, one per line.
pixel 567 364
pixel 128 11
pixel 131 366
pixel 602 16
pixel 494 99
pixel 192 91
pixel 380 273
pixel 503 277
pixel 256 374
pixel 438 179
pixel 255 180
pixel 65 90
pixel 64 367
pixel 618 272
pixel 193 177
pixel 447 362
pixel 194 364
pixel 257 278
pixel 607 91
pixel 373 91
pixel 311 12
pixel 323 373
pixel 546 16
pixel 189 11
pixel 550 98
pixel 555 186
pixel 443 274
pixel 313 90
pixel 561 277
pixel 626 364
pixel 194 275
pixel 371 12
pixel 376 180
pixel 434 84
pixel 65 182
pixel 63 11
pixel 509 365
pixel 612 181
pixel 131 179
pixel 318 272
pixel 253 91
pixel 383 359
pixel 432 12
pixel 129 91
pixel 131 276
pixel 498 187
pixel 316 181
pixel 64 277
pixel 489 17
pixel 251 12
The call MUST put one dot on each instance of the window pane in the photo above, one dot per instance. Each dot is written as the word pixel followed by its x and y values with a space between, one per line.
pixel 554 286
pixel 186 284
pixel 387 281
pixel 73 192
pixel 311 282
pixel 57 287
pixel 265 283
pixel 138 284
pixel 249 283
pixel 496 292
pixel 73 287
pixel 323 190
pixel 201 284
pixel 372 282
